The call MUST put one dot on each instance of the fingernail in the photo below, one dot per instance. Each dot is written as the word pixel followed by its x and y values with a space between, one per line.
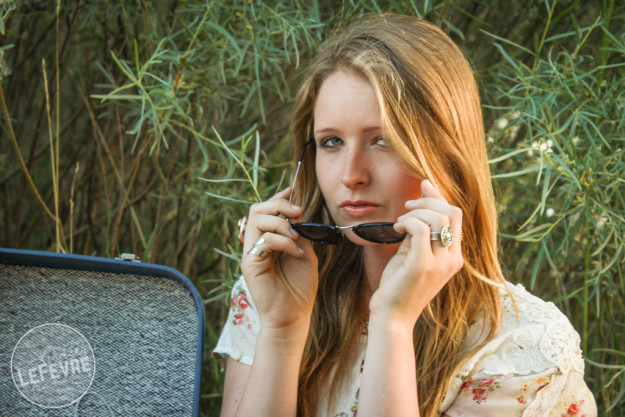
pixel 428 185
pixel 294 232
pixel 295 207
pixel 300 250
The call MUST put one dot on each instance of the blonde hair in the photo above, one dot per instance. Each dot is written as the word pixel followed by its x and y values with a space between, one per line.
pixel 431 115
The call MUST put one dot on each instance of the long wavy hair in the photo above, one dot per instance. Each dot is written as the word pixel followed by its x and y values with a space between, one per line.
pixel 431 115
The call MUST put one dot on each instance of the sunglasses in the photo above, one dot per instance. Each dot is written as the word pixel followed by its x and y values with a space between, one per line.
pixel 376 232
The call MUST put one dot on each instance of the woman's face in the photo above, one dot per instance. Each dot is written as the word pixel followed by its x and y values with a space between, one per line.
pixel 360 176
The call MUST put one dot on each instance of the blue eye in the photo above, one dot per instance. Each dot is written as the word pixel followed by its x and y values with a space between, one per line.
pixel 330 142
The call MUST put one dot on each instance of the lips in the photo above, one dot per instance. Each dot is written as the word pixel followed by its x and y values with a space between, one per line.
pixel 359 208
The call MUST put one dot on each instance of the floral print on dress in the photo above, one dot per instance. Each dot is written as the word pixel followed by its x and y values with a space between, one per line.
pixel 239 304
pixel 480 388
pixel 541 382
pixel 521 397
pixel 575 410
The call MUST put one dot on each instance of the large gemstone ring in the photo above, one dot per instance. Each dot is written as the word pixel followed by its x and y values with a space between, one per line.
pixel 446 236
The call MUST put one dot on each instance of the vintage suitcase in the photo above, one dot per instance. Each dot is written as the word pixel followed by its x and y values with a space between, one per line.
pixel 86 336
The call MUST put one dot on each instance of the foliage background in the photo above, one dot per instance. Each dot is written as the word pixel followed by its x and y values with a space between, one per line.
pixel 150 126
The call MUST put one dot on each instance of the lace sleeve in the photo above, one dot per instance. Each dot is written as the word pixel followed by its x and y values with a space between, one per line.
pixel 238 337
pixel 532 368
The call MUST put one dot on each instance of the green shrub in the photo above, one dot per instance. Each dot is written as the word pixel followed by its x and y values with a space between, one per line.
pixel 560 178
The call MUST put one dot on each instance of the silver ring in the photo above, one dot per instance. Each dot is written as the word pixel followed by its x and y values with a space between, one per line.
pixel 256 249
pixel 446 236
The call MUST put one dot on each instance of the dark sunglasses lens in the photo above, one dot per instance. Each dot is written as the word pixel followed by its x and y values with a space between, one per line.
pixel 318 232
pixel 381 232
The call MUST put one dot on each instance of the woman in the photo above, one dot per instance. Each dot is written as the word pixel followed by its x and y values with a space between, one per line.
pixel 408 313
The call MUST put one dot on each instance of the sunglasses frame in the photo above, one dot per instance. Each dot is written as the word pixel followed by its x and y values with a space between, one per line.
pixel 357 229
pixel 336 229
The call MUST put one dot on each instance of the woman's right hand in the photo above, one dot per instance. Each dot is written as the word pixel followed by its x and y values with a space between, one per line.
pixel 283 284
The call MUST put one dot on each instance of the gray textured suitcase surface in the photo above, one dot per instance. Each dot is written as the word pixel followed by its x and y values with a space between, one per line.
pixel 90 336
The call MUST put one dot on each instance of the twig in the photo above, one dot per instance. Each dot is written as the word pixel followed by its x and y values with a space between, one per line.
pixel 100 136
pixel 53 163
pixel 59 226
pixel 16 148
pixel 71 210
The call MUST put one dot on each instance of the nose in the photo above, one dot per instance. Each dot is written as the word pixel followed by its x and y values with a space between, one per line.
pixel 356 169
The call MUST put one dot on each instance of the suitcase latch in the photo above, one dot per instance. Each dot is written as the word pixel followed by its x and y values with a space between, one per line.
pixel 130 257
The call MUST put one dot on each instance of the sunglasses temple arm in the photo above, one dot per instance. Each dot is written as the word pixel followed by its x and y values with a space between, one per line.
pixel 299 163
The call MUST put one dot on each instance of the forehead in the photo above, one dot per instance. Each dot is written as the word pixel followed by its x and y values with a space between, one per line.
pixel 344 98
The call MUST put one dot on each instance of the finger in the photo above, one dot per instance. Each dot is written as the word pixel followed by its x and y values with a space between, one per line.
pixel 435 220
pixel 272 243
pixel 275 207
pixel 435 200
pixel 454 214
pixel 264 223
pixel 446 215
pixel 428 203
pixel 423 252
pixel 418 239
pixel 428 190
pixel 284 194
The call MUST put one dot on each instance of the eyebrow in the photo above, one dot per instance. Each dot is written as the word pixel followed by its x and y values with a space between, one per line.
pixel 331 129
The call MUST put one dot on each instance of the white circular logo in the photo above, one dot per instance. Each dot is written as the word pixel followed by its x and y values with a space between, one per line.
pixel 53 365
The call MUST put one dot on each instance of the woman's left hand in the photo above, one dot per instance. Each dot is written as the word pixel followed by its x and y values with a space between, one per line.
pixel 421 267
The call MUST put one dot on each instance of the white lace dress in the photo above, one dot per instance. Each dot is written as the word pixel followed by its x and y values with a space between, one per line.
pixel 532 368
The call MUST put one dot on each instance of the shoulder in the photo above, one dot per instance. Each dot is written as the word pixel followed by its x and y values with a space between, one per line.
pixel 532 365
pixel 533 336
pixel 541 330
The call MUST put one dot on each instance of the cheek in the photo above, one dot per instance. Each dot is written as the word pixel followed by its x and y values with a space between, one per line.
pixel 415 190
pixel 396 178
pixel 410 188
pixel 324 177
